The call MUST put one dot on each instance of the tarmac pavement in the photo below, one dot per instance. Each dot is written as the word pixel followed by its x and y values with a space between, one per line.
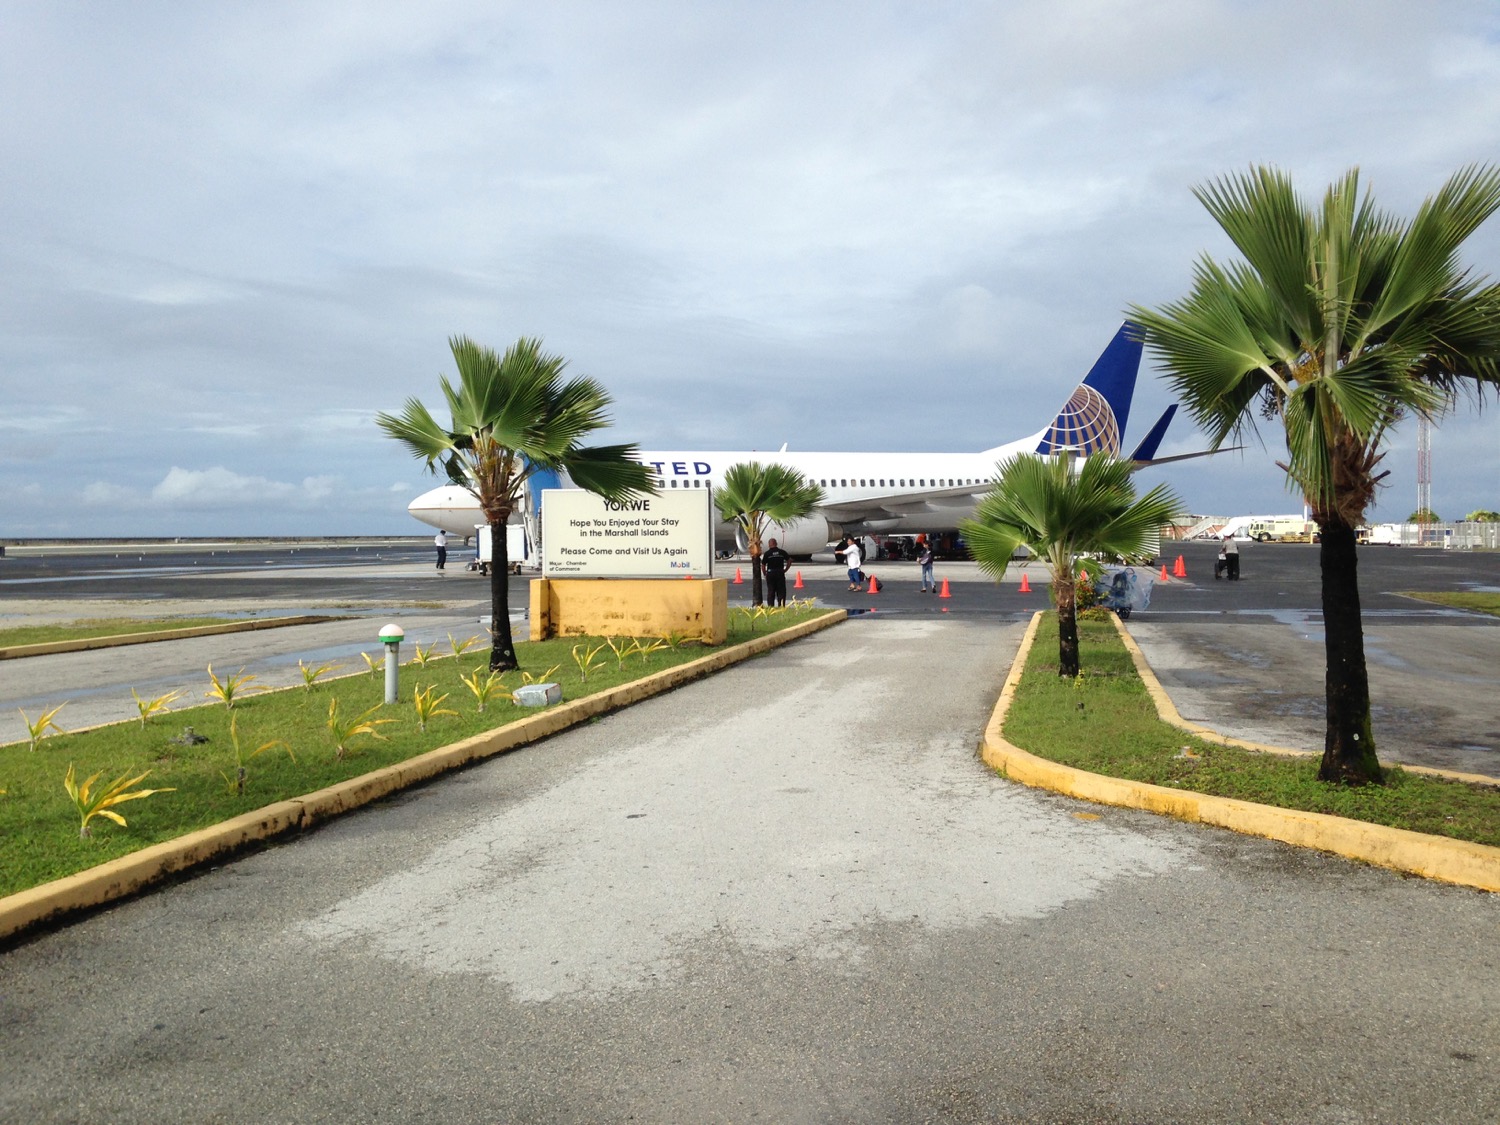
pixel 1247 659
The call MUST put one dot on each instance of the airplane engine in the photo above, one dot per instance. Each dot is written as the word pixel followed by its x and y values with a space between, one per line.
pixel 800 537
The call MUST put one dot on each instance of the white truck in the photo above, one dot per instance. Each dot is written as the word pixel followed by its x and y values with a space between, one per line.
pixel 1264 529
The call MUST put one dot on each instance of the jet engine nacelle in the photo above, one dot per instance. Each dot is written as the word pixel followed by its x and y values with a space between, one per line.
pixel 806 536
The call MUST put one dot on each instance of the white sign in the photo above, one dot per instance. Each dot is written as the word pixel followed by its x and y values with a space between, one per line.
pixel 669 535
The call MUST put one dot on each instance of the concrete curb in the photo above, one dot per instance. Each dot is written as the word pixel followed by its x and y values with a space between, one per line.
pixel 86 644
pixel 139 870
pixel 1416 853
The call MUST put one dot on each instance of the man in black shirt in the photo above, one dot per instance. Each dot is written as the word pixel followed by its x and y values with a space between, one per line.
pixel 775 561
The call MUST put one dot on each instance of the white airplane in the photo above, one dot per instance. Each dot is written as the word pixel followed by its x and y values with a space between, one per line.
pixel 886 493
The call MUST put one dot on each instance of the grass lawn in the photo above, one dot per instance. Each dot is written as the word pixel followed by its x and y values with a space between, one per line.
pixel 39 837
pixel 1480 603
pixel 1104 722
pixel 101 627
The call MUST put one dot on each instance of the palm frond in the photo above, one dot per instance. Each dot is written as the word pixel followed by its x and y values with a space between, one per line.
pixel 418 430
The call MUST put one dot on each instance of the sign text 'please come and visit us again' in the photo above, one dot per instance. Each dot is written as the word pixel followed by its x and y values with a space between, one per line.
pixel 669 535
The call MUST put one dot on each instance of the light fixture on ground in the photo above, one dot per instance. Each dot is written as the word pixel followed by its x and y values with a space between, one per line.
pixel 390 636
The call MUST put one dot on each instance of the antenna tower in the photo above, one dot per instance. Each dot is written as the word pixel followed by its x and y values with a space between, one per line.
pixel 1424 463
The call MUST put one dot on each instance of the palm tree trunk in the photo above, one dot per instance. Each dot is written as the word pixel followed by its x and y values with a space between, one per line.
pixel 1348 744
pixel 502 646
pixel 1067 623
pixel 755 586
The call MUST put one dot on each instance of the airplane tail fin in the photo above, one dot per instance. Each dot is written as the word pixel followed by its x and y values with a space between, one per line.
pixel 1145 453
pixel 1093 419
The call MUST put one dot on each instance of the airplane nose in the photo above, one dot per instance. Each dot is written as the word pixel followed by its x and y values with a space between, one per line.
pixel 433 507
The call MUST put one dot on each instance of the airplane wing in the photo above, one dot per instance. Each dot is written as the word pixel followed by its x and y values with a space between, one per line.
pixel 897 505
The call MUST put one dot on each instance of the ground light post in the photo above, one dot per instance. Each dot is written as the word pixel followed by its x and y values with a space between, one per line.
pixel 390 636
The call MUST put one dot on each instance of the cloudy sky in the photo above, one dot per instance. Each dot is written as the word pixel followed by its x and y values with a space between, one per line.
pixel 232 232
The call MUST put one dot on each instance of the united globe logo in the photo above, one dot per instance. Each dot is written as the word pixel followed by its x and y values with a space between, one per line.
pixel 1086 425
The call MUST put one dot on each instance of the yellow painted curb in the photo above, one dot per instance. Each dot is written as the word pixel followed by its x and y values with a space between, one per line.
pixel 1432 857
pixel 86 644
pixel 135 872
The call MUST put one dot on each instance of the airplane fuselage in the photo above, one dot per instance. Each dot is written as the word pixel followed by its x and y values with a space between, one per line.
pixel 887 493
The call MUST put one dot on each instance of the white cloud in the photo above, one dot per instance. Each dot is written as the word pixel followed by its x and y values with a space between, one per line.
pixel 104 494
pixel 221 488
pixel 230 235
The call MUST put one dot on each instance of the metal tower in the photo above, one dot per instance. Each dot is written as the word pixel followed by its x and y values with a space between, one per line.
pixel 1424 463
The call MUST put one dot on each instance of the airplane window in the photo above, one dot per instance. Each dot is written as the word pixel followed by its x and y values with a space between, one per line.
pixel 674 484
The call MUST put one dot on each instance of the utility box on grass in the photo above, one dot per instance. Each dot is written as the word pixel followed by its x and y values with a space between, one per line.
pixel 538 695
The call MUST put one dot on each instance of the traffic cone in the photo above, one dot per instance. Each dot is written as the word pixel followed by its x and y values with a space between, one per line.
pixel 738 579
pixel 945 593
pixel 1165 577
pixel 797 585
pixel 1025 584
pixel 874 585
pixel 1179 569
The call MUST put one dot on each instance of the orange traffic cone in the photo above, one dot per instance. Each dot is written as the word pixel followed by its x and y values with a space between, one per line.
pixel 1025 584
pixel 1179 569
pixel 944 593
pixel 738 579
pixel 1165 577
pixel 874 585
pixel 797 585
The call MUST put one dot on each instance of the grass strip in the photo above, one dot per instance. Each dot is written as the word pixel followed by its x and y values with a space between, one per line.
pixel 1459 599
pixel 90 628
pixel 1104 722
pixel 39 826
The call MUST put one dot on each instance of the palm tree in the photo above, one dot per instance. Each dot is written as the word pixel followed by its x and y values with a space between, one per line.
pixel 754 496
pixel 1060 511
pixel 512 415
pixel 1340 321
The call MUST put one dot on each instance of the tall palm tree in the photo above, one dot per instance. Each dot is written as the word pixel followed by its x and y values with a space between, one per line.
pixel 1061 511
pixel 512 415
pixel 755 496
pixel 1340 321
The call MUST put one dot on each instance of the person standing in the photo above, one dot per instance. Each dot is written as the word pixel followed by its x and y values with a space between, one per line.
pixel 1232 558
pixel 776 562
pixel 924 559
pixel 440 541
pixel 853 559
